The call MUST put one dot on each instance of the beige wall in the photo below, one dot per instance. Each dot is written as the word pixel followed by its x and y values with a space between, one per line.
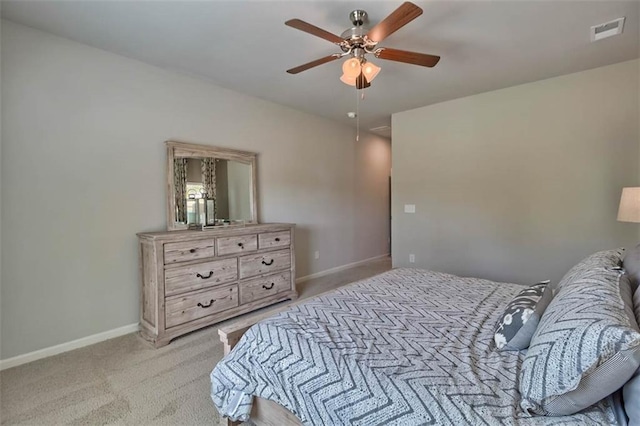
pixel 83 170
pixel 517 184
pixel 0 194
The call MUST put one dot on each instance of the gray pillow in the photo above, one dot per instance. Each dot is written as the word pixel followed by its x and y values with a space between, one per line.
pixel 585 347
pixel 604 259
pixel 521 316
pixel 630 297
pixel 636 305
pixel 631 263
pixel 631 390
pixel 631 396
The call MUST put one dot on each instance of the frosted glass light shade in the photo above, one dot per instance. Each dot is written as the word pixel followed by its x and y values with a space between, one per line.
pixel 370 71
pixel 351 81
pixel 629 210
pixel 351 67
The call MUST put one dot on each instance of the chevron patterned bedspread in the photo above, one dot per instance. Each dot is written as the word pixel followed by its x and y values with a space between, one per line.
pixel 407 347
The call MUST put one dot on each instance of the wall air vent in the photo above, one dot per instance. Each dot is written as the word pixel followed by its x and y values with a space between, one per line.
pixel 608 29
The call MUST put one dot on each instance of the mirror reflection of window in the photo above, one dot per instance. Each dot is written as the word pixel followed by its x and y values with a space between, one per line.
pixel 194 193
pixel 226 188
pixel 209 190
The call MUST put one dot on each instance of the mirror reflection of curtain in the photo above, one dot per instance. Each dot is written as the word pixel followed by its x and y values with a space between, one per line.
pixel 180 184
pixel 208 166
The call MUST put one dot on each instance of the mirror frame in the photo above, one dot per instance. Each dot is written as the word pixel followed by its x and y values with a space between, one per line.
pixel 177 149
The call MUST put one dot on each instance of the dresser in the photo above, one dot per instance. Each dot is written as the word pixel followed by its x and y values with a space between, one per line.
pixel 192 279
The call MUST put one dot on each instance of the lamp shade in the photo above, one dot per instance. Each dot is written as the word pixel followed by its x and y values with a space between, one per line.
pixel 351 67
pixel 370 70
pixel 351 81
pixel 629 210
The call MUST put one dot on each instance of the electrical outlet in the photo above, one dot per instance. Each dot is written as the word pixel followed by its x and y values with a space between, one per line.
pixel 412 258
pixel 317 255
pixel 409 208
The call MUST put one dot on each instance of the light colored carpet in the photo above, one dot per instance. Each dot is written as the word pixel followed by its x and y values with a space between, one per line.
pixel 125 381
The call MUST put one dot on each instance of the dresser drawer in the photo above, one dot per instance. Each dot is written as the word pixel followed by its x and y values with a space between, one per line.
pixel 274 239
pixel 264 287
pixel 190 250
pixel 257 264
pixel 191 306
pixel 194 277
pixel 234 245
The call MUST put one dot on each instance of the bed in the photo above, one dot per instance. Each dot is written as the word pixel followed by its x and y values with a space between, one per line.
pixel 405 347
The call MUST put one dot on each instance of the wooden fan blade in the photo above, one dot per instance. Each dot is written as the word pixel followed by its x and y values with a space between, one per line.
pixel 313 30
pixel 312 64
pixel 407 57
pixel 400 17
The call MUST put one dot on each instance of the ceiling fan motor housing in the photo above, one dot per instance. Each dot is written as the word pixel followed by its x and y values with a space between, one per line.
pixel 355 32
pixel 354 38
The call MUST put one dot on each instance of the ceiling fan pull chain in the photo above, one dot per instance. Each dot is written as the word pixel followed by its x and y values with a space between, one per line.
pixel 358 115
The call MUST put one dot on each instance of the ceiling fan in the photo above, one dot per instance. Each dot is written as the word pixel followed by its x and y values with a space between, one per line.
pixel 359 41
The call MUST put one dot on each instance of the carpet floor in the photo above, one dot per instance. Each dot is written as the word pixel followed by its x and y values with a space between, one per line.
pixel 125 381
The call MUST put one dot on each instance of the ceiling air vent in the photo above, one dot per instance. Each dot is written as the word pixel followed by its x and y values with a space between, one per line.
pixel 608 29
pixel 384 131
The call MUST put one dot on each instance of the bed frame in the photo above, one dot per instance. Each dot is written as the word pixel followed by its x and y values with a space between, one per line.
pixel 263 412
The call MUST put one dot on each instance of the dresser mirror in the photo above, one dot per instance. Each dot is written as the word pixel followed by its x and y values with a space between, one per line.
pixel 209 186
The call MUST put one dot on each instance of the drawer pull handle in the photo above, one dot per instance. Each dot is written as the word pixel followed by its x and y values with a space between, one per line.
pixel 192 251
pixel 270 287
pixel 241 245
pixel 269 263
pixel 277 239
pixel 203 277
pixel 207 306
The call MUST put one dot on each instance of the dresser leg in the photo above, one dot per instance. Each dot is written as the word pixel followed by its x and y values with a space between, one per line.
pixel 161 342
pixel 155 341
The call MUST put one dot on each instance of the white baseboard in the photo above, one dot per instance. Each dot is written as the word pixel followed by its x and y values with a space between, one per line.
pixel 132 328
pixel 68 346
pixel 338 269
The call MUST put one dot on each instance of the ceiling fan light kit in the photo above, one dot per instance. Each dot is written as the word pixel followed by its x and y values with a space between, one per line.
pixel 359 41
pixel 370 70
pixel 350 81
pixel 353 68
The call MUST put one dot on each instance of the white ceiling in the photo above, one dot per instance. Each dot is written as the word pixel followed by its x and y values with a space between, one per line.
pixel 245 46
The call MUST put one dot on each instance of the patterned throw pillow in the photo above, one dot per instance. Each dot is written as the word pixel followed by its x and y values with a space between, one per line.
pixel 585 347
pixel 519 321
